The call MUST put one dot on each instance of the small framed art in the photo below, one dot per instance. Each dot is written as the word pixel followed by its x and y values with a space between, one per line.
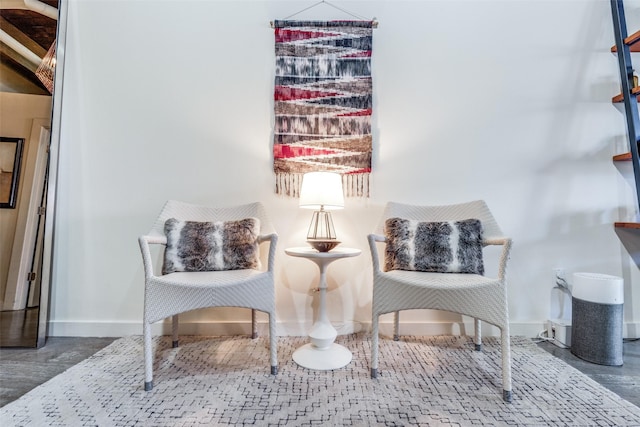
pixel 10 159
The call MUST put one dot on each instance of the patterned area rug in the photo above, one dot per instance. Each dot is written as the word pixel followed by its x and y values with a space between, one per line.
pixel 225 381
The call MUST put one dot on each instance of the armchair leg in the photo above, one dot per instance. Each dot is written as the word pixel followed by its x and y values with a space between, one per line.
pixel 506 364
pixel 273 340
pixel 374 345
pixel 478 334
pixel 396 326
pixel 148 357
pixel 254 324
pixel 174 331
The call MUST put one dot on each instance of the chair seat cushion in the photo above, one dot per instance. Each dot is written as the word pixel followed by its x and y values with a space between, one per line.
pixel 211 246
pixel 440 247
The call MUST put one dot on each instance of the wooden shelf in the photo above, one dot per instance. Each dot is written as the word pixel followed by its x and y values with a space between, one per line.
pixel 619 98
pixel 633 225
pixel 629 235
pixel 633 41
pixel 622 157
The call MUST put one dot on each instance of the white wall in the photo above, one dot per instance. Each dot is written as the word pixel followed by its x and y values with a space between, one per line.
pixel 504 101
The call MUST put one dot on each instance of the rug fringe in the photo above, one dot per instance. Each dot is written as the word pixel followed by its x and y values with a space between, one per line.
pixel 353 184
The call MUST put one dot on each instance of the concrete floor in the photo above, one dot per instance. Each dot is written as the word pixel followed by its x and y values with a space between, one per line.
pixel 23 369
pixel 623 380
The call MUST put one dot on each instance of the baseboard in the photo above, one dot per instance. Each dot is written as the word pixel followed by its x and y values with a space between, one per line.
pixel 120 329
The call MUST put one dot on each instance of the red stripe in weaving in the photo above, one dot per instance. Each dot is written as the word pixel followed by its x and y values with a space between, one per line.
pixel 283 35
pixel 363 54
pixel 363 170
pixel 366 112
pixel 284 93
pixel 283 151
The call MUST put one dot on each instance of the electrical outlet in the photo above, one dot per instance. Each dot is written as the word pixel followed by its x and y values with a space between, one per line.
pixel 559 330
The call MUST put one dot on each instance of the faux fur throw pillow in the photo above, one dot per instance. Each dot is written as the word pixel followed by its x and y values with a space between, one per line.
pixel 441 247
pixel 211 246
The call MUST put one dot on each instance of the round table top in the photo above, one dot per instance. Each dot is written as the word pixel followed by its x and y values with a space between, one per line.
pixel 335 253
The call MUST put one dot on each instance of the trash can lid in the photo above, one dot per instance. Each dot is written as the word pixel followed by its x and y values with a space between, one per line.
pixel 599 288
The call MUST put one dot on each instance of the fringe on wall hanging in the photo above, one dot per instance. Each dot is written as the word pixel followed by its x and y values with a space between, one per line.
pixel 323 103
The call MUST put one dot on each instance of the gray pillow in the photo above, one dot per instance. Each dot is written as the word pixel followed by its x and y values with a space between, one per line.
pixel 441 247
pixel 211 246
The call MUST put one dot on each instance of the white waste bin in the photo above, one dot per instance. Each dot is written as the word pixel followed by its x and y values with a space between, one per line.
pixel 596 319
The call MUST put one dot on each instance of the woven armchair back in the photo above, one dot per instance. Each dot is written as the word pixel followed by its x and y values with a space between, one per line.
pixel 190 212
pixel 475 209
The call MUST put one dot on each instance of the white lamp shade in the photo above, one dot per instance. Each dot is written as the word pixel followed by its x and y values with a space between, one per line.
pixel 321 189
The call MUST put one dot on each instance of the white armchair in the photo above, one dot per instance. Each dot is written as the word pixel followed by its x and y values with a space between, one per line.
pixel 177 292
pixel 475 295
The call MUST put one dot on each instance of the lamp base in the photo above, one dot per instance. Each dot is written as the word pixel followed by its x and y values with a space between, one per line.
pixel 323 245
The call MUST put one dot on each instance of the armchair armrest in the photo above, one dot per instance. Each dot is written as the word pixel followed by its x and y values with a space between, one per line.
pixel 504 257
pixel 144 242
pixel 373 238
pixel 495 241
pixel 273 242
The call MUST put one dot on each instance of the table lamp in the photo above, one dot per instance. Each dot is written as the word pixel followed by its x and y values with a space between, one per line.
pixel 322 191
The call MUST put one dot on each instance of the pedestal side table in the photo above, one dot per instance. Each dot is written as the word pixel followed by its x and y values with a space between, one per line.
pixel 322 353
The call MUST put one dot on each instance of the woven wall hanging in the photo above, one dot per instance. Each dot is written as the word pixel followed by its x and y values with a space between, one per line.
pixel 323 103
